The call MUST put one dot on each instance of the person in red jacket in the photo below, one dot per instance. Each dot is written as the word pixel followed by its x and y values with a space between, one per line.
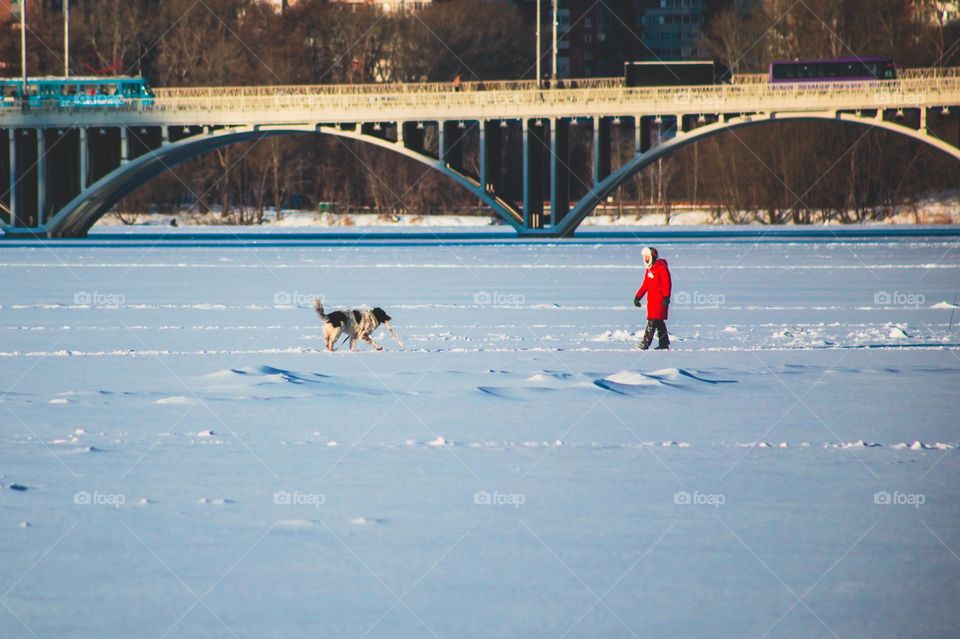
pixel 656 286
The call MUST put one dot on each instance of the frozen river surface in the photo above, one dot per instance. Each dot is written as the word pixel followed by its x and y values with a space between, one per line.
pixel 179 458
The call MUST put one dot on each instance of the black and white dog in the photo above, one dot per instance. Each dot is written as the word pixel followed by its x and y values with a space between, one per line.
pixel 358 324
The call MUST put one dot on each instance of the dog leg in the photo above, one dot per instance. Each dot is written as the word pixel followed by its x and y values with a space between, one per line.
pixel 330 338
pixel 365 337
pixel 395 336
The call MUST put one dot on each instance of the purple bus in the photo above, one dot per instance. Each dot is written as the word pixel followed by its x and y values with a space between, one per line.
pixel 839 70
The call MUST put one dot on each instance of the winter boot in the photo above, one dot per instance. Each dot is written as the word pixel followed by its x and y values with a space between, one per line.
pixel 647 335
pixel 663 339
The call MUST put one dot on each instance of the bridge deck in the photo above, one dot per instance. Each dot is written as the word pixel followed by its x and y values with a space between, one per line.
pixel 495 100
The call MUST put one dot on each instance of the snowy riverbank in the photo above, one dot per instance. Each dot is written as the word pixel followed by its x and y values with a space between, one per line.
pixel 942 208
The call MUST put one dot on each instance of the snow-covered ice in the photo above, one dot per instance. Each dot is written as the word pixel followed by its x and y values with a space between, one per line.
pixel 179 457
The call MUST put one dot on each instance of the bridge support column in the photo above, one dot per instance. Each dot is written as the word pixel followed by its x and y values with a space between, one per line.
pixel 451 144
pixel 637 135
pixel 12 136
pixel 483 155
pixel 559 169
pixel 601 149
pixel 124 145
pixel 642 135
pixel 442 142
pixel 41 177
pixel 490 145
pixel 164 136
pixel 954 139
pixel 84 170
pixel 533 155
pixel 923 120
pixel 26 164
pixel 412 135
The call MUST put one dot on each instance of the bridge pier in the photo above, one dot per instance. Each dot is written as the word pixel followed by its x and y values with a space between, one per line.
pixel 41 176
pixel 60 175
pixel 491 169
pixel 84 152
pixel 412 135
pixel 601 149
pixel 124 146
pixel 534 157
pixel 559 169
pixel 451 143
pixel 488 141
pixel 25 177
pixel 951 127
pixel 105 148
pixel 12 183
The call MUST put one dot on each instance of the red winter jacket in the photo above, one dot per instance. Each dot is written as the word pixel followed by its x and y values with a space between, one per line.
pixel 656 283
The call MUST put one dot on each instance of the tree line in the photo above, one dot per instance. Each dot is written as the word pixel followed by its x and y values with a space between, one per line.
pixel 787 172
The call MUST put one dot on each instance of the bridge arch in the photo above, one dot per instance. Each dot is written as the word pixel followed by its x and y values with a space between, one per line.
pixel 83 211
pixel 603 189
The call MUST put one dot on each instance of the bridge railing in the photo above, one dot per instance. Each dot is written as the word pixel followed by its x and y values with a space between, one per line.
pixel 929 72
pixel 377 89
pixel 706 99
pixel 471 87
pixel 904 74
pixel 749 78
pixel 266 105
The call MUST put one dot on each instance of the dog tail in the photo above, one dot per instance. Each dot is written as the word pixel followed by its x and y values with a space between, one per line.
pixel 318 307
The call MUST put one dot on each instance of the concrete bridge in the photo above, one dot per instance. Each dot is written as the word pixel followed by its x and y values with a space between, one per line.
pixel 65 168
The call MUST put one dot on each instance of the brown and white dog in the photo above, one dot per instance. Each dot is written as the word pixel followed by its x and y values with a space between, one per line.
pixel 358 324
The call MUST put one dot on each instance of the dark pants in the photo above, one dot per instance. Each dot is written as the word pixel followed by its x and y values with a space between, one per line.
pixel 663 341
